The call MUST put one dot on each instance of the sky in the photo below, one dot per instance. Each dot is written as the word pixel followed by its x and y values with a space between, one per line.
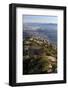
pixel 39 19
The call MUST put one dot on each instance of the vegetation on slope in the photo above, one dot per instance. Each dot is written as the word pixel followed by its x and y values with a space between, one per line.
pixel 40 56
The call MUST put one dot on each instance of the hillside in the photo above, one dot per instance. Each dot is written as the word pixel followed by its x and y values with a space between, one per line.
pixel 40 56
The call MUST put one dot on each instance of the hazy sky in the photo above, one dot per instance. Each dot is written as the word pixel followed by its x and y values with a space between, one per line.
pixel 39 19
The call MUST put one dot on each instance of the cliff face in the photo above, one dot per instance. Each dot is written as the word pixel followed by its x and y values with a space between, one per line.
pixel 40 56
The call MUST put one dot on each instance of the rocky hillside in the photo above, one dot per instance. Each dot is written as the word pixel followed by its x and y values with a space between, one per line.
pixel 40 56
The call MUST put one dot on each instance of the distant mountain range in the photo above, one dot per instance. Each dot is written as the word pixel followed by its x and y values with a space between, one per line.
pixel 42 30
